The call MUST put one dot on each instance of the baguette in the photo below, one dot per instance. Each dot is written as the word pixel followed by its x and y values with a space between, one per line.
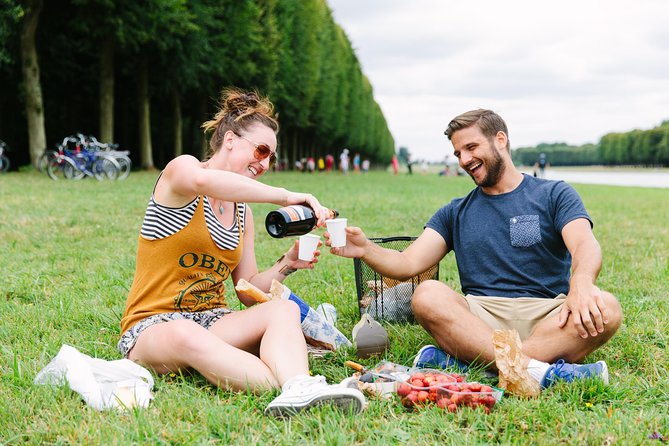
pixel 276 289
pixel 249 290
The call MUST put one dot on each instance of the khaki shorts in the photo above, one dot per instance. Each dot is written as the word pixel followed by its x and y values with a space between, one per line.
pixel 521 313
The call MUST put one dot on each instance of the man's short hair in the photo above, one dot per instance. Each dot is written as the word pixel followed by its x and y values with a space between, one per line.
pixel 487 120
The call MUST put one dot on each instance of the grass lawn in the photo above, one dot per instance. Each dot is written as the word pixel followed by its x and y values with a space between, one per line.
pixel 68 253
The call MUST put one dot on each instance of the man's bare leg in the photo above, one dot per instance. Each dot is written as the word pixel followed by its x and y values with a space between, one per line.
pixel 445 315
pixel 548 342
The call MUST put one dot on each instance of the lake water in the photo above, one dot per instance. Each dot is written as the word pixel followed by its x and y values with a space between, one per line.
pixel 642 178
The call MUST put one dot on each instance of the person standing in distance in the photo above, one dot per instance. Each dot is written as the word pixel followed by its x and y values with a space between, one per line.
pixel 344 161
pixel 527 260
pixel 197 232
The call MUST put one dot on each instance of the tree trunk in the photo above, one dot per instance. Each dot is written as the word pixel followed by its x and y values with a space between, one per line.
pixel 145 149
pixel 31 81
pixel 177 122
pixel 107 90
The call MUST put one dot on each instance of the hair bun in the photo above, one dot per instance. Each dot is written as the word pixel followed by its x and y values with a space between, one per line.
pixel 239 103
pixel 237 111
pixel 251 98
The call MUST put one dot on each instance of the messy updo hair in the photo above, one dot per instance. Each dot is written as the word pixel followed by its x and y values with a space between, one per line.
pixel 487 121
pixel 237 111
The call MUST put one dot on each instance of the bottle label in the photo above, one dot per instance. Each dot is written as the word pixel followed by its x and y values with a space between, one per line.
pixel 295 213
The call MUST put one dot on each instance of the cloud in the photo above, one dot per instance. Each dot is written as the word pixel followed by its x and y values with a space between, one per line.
pixel 563 71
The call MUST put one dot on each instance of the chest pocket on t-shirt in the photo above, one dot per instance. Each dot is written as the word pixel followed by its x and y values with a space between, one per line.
pixel 524 230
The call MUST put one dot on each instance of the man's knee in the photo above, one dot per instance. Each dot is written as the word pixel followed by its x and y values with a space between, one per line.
pixel 423 295
pixel 614 312
pixel 430 295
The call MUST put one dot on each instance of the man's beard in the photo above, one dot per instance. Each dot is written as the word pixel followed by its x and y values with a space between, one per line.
pixel 494 170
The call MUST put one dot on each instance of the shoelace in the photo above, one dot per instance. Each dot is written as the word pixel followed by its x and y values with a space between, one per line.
pixel 557 371
pixel 575 371
pixel 306 385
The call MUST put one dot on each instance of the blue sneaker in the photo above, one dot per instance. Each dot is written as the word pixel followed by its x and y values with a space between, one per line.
pixel 431 357
pixel 564 371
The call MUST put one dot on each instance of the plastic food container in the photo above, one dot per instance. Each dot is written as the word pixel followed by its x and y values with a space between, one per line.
pixel 448 391
pixel 427 378
pixel 468 394
pixel 422 386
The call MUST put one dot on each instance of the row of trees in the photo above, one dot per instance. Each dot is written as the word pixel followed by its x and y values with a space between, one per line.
pixel 637 147
pixel 558 154
pixel 147 74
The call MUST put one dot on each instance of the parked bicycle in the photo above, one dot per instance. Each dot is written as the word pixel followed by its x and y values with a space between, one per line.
pixel 121 156
pixel 74 160
pixel 4 160
pixel 44 159
pixel 60 166
pixel 92 162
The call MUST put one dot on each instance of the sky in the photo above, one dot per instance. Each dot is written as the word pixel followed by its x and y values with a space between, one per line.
pixel 556 71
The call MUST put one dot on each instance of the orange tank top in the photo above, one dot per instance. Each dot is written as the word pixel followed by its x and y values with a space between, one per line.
pixel 184 272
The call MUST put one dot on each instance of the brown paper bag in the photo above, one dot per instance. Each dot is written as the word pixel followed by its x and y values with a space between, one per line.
pixel 513 375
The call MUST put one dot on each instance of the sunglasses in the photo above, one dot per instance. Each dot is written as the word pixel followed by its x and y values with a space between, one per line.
pixel 262 151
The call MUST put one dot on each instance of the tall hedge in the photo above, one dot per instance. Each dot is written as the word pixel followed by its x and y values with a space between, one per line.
pixel 633 148
pixel 147 74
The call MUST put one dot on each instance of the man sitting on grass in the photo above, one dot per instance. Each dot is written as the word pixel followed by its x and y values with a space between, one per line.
pixel 515 239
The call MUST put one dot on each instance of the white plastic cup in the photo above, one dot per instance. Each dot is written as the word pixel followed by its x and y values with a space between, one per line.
pixel 337 230
pixel 308 244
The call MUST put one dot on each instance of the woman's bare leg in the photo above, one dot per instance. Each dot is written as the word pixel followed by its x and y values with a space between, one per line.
pixel 224 354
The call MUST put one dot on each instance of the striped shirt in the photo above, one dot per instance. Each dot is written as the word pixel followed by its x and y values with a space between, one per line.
pixel 162 221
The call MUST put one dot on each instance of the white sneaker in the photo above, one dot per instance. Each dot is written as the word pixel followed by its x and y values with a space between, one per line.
pixel 302 392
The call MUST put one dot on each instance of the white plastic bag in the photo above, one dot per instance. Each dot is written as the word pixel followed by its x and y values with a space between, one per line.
pixel 393 304
pixel 102 384
pixel 317 329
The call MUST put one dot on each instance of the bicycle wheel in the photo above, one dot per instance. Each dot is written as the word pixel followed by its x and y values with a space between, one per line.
pixel 4 163
pixel 61 167
pixel 105 168
pixel 79 162
pixel 43 160
pixel 125 165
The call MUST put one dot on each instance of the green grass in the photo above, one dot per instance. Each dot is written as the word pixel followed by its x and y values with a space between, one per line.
pixel 68 260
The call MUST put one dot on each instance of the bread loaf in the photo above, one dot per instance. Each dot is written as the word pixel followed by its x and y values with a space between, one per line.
pixel 247 289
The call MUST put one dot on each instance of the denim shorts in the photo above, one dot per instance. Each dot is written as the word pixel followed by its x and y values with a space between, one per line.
pixel 203 318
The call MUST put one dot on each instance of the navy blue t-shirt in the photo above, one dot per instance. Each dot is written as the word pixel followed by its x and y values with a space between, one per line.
pixel 511 245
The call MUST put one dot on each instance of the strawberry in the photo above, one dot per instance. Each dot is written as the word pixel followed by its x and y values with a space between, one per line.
pixel 403 389
pixel 418 375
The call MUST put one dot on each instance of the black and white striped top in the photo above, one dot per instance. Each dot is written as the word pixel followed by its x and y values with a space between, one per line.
pixel 162 221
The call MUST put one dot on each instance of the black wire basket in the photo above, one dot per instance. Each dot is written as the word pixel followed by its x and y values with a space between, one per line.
pixel 383 298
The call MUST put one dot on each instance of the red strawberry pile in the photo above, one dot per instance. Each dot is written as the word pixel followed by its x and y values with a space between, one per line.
pixel 449 391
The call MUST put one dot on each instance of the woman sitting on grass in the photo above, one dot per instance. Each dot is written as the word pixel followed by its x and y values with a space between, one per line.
pixel 197 231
